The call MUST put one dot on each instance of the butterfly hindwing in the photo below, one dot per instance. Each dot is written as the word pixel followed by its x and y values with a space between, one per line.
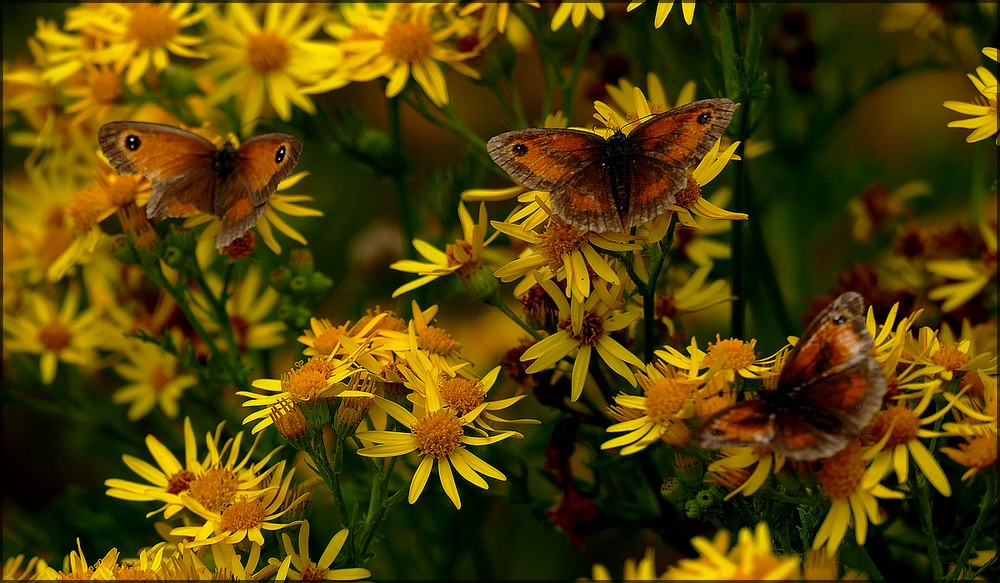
pixel 746 423
pixel 653 186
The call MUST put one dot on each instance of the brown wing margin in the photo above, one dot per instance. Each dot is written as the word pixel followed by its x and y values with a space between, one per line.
pixel 682 136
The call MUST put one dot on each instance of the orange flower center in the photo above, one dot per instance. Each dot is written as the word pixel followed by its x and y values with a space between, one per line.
pixel 665 398
pixel 409 42
pixel 950 358
pixel 327 341
pixel 243 514
pixel 105 86
pixel 84 215
pixel 54 336
pixel 437 341
pixel 730 354
pixel 841 474
pixel 160 376
pixel 687 196
pixel 438 434
pixel 905 429
pixel 267 51
pixel 313 573
pixel 462 395
pixel 214 489
pixel 981 452
pixel 133 573
pixel 123 190
pixel 590 331
pixel 150 25
pixel 560 239
pixel 305 384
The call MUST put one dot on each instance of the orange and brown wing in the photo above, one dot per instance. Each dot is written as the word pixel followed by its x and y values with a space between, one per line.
pixel 808 434
pixel 177 163
pixel 749 423
pixel 682 136
pixel 654 185
pixel 262 163
pixel 569 164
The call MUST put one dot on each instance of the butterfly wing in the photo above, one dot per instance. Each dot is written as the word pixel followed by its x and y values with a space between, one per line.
pixel 261 163
pixel 831 375
pixel 177 163
pixel 568 164
pixel 682 136
pixel 654 184
pixel 748 423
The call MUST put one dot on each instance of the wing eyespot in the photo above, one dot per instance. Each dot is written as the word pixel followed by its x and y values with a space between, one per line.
pixel 704 118
pixel 840 319
pixel 279 156
pixel 132 142
pixel 519 149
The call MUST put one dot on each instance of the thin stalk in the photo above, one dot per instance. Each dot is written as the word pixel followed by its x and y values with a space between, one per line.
pixel 987 508
pixel 406 213
pixel 499 304
pixel 927 525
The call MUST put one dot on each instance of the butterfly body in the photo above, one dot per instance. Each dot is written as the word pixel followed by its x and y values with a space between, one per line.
pixel 612 184
pixel 188 173
pixel 827 392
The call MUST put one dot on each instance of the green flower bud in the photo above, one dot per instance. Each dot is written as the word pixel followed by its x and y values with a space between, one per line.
pixel 480 281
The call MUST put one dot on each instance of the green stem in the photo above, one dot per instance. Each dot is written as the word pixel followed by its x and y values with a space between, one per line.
pixel 978 183
pixel 499 304
pixel 398 177
pixel 568 84
pixel 926 523
pixel 649 289
pixel 987 508
pixel 867 562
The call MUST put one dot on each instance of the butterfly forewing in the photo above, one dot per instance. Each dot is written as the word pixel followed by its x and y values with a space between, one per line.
pixel 542 158
pixel 264 161
pixel 682 136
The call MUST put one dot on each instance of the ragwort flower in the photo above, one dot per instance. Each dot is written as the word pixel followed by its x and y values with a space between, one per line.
pixel 984 124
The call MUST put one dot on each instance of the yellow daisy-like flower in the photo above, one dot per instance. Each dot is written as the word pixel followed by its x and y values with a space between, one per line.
pixel 274 61
pixel 731 356
pixel 56 334
pixel 730 469
pixel 577 12
pixel 212 481
pixel 437 343
pixel 153 380
pixel 663 8
pixel 463 257
pixel 97 95
pixel 693 295
pixel 752 558
pixel 978 453
pixel 853 489
pixel 984 124
pixel 13 571
pixel 246 516
pixel 642 570
pixel 75 566
pixel 140 35
pixel 249 307
pixel 585 327
pixel 439 439
pixel 298 566
pixel 565 252
pixel 945 359
pixel 904 428
pixel 667 401
pixel 970 276
pixel 399 41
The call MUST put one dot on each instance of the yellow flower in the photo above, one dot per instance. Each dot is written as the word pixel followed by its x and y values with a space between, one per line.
pixel 249 307
pixel 944 359
pixel 275 61
pixel 977 453
pixel 139 35
pixel 399 41
pixel 853 490
pixel 663 8
pixel 971 275
pixel 656 416
pixel 693 295
pixel 494 13
pixel 585 327
pixel 439 440
pixel 212 481
pixel 730 469
pixel 463 257
pixel 247 514
pixel 731 356
pixel 984 124
pixel 12 570
pixel 75 566
pixel 642 570
pixel 153 380
pixel 298 565
pixel 437 343
pixel 56 334
pixel 752 558
pixel 565 252
pixel 897 430
pixel 577 12
pixel 97 95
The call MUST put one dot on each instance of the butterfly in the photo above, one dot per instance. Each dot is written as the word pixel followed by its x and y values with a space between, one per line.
pixel 827 392
pixel 187 172
pixel 615 183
